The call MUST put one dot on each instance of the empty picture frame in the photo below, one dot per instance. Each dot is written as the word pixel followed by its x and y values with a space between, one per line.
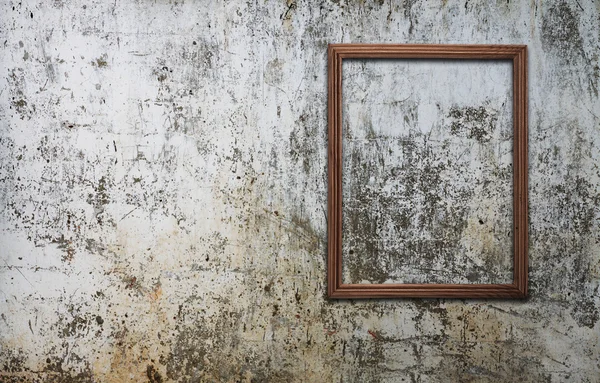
pixel 515 53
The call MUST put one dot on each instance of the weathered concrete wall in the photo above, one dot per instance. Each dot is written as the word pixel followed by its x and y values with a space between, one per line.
pixel 427 171
pixel 163 197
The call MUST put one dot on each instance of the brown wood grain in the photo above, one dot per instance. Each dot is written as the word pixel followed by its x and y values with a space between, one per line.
pixel 335 286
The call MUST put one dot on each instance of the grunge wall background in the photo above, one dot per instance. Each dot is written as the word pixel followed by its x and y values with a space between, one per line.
pixel 163 197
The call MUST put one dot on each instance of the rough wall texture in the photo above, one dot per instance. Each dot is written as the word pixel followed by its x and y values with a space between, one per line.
pixel 427 171
pixel 163 197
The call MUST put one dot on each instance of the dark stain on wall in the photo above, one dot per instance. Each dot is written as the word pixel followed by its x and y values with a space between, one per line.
pixel 474 123
pixel 560 31
pixel 412 215
pixel 54 370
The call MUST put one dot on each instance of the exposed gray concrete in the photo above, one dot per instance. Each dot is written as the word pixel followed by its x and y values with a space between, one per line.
pixel 163 197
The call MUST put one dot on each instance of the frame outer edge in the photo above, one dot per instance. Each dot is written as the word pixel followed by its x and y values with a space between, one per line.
pixel 334 171
pixel 523 286
pixel 451 51
pixel 331 226
pixel 520 225
pixel 518 54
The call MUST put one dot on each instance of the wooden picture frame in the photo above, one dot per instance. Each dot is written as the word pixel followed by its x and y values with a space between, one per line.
pixel 518 54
